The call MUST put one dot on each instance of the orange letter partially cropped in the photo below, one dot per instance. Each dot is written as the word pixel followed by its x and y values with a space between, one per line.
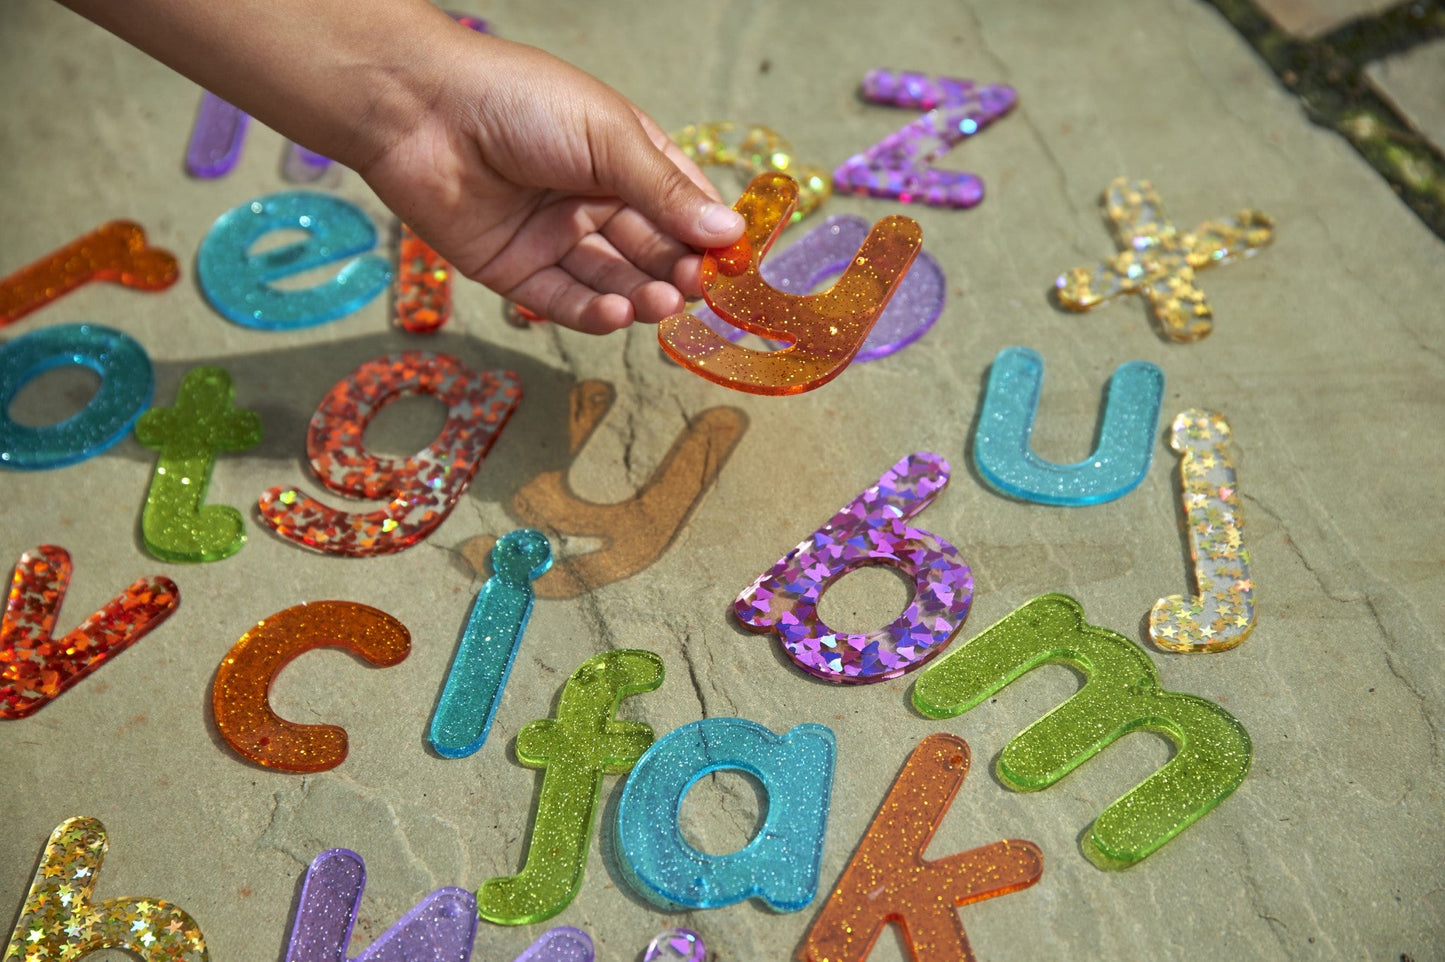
pixel 888 879
pixel 115 252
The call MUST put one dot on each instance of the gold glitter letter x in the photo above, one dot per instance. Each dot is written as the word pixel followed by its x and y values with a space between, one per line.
pixel 1157 261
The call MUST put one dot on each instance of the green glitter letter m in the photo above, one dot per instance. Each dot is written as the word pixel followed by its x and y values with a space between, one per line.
pixel 576 748
pixel 1121 695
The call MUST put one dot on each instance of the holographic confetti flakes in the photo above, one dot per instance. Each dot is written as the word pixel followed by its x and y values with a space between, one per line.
pixel 423 286
pixel 240 699
pixel 824 252
pixel 59 921
pixel 778 865
pixel 423 488
pixel 584 742
pixel 1157 261
pixel 871 529
pixel 889 881
pixel 676 945
pixel 634 532
pixel 1121 694
pixel 754 151
pixel 489 645
pixel 115 252
pixel 440 928
pixel 824 331
pixel 1221 614
pixel 1004 453
pixel 177 524
pixel 900 166
pixel 125 389
pixel 35 668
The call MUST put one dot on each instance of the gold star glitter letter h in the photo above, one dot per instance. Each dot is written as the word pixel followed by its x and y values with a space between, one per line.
pixel 579 746
pixel 59 922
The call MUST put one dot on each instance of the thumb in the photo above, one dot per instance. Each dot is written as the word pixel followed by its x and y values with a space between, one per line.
pixel 650 177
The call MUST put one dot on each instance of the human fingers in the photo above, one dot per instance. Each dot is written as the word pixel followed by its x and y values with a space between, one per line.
pixel 631 165
pixel 555 294
pixel 639 240
pixel 595 263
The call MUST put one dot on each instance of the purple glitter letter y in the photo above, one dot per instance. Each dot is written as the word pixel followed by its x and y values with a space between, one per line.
pixel 441 928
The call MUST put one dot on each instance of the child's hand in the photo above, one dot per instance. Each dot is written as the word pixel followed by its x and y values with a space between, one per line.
pixel 528 175
pixel 550 188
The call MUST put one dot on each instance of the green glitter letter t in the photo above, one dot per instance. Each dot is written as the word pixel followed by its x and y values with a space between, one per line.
pixel 576 748
pixel 1121 694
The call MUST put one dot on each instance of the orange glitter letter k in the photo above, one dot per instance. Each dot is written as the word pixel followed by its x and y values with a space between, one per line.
pixel 888 879
pixel 824 331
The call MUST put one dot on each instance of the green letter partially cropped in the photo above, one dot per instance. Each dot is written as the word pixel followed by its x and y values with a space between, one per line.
pixel 1121 694
pixel 576 748
pixel 177 524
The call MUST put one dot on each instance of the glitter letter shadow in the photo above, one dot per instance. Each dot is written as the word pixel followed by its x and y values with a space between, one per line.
pixel 634 532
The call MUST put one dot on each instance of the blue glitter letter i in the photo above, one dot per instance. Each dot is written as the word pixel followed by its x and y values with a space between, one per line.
pixel 489 643
pixel 1006 458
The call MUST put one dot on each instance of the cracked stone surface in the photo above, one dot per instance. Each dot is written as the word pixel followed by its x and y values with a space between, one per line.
pixel 1328 358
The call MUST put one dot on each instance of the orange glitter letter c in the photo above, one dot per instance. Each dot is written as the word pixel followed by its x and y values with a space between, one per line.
pixel 824 331
pixel 243 682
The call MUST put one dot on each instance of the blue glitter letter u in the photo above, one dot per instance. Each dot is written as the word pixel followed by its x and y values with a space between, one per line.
pixel 1005 456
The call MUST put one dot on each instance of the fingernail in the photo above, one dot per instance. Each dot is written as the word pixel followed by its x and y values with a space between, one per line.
pixel 720 219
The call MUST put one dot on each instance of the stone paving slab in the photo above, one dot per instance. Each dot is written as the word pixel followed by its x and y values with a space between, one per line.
pixel 1327 358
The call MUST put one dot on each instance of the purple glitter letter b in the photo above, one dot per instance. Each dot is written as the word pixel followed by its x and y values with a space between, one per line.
pixel 872 529
pixel 441 928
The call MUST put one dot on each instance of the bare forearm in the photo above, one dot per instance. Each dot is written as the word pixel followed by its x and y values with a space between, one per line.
pixel 345 78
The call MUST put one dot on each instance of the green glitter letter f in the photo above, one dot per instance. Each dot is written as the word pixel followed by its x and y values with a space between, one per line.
pixel 1121 695
pixel 177 524
pixel 576 749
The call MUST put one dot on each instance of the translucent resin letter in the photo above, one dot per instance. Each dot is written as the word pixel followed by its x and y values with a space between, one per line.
pixel 824 331
pixel 125 390
pixel 872 529
pixel 1121 694
pixel 177 524
pixel 1221 615
pixel 115 252
pixel 440 928
pixel 35 666
pixel 239 283
pixel 584 742
pixel 779 865
pixel 489 645
pixel 889 881
pixel 1157 260
pixel 422 489
pixel 59 919
pixel 1004 453
pixel 240 699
